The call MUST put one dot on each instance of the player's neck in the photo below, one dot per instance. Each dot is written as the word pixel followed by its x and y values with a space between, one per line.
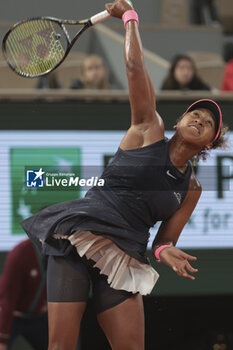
pixel 180 152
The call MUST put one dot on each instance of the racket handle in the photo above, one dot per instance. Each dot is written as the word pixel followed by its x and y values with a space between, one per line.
pixel 100 17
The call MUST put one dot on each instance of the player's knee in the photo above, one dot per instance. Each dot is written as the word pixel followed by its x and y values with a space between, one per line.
pixel 55 346
pixel 132 346
pixel 136 347
pixel 59 345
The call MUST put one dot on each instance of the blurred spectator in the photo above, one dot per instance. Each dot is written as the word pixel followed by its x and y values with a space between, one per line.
pixel 23 306
pixel 48 81
pixel 94 74
pixel 183 75
pixel 204 12
pixel 221 342
pixel 227 81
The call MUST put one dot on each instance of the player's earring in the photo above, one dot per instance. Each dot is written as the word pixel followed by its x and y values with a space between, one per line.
pixel 208 147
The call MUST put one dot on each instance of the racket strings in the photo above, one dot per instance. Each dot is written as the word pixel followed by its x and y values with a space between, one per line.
pixel 56 46
pixel 35 47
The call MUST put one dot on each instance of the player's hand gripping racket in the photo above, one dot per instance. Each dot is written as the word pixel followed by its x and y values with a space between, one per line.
pixel 36 46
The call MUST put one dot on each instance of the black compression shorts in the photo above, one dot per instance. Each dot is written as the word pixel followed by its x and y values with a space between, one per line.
pixel 69 280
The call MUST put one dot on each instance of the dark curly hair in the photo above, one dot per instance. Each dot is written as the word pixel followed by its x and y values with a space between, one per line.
pixel 221 143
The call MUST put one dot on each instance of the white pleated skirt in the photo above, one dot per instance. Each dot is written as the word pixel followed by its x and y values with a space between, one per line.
pixel 123 271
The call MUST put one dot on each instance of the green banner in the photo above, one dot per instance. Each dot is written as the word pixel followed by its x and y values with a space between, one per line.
pixel 25 201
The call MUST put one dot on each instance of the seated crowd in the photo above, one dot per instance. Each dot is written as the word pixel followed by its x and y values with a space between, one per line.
pixel 182 75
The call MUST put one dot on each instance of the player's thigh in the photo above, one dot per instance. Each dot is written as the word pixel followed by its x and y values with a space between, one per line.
pixel 67 293
pixel 64 324
pixel 124 324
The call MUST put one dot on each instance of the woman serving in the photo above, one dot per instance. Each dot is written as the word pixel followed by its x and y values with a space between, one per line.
pixel 102 238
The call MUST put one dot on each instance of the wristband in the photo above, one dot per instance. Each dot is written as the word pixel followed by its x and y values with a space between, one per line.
pixel 159 249
pixel 129 16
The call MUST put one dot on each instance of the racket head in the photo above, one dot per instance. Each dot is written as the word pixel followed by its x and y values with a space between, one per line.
pixel 36 46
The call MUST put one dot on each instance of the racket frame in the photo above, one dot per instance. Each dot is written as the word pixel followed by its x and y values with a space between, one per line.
pixel 70 43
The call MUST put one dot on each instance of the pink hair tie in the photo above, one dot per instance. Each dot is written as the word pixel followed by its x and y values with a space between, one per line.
pixel 159 249
pixel 129 16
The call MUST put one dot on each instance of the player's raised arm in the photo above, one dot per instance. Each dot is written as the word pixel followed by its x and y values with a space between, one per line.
pixel 141 90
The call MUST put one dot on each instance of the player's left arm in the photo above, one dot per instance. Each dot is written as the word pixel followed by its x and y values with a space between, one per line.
pixel 170 230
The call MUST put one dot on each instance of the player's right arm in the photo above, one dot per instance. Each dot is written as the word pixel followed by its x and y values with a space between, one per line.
pixel 146 125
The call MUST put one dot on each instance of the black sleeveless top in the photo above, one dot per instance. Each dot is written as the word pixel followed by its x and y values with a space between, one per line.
pixel 141 187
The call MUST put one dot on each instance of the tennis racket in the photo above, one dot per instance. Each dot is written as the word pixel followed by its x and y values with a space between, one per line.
pixel 37 46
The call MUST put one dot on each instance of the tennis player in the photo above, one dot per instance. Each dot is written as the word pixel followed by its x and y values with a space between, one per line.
pixel 102 238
